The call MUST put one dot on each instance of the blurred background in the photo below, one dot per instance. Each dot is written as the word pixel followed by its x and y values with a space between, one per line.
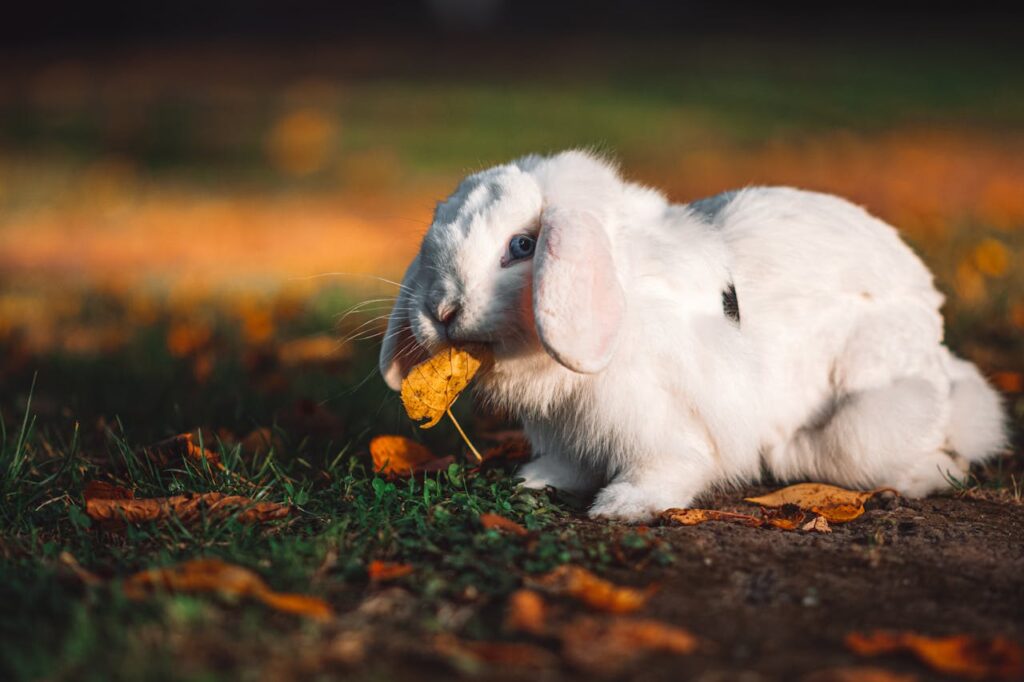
pixel 196 199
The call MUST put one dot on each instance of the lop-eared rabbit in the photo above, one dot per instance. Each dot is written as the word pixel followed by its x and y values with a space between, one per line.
pixel 655 350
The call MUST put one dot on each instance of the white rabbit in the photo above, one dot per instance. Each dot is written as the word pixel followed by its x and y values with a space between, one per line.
pixel 654 351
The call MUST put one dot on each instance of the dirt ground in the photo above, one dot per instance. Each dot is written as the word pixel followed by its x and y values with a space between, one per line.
pixel 773 605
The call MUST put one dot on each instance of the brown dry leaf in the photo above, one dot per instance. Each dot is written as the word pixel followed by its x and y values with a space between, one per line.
pixel 859 674
pixel 433 385
pixel 959 655
pixel 505 654
pixel 1009 382
pixel 501 523
pixel 836 504
pixel 786 517
pixel 182 447
pixel 693 517
pixel 595 592
pixel 817 525
pixel 100 490
pixel 527 612
pixel 607 646
pixel 512 448
pixel 401 456
pixel 383 571
pixel 260 440
pixel 186 508
pixel 214 575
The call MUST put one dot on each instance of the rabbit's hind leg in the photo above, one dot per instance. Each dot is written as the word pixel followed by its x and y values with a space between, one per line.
pixel 886 425
pixel 886 436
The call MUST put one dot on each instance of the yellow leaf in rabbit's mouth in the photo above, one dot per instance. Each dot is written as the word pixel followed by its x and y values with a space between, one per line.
pixel 433 385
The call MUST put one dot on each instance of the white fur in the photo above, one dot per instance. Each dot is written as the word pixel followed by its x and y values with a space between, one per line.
pixel 835 372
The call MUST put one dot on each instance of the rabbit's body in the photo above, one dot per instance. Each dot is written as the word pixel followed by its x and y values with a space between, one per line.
pixel 672 348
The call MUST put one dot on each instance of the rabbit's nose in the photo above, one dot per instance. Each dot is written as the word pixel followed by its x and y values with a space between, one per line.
pixel 446 313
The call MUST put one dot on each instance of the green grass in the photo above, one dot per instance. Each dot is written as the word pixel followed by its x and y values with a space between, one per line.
pixel 345 516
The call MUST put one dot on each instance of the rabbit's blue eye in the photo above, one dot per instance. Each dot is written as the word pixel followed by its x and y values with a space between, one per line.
pixel 521 247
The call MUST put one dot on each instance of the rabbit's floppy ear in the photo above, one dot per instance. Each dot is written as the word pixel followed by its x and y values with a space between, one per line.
pixel 400 351
pixel 578 303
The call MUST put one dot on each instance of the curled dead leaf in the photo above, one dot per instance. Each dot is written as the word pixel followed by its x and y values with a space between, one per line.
pixel 401 456
pixel 836 504
pixel 383 571
pixel 608 645
pixel 527 612
pixel 817 525
pixel 786 517
pixel 433 385
pixel 595 592
pixel 499 522
pixel 180 448
pixel 214 575
pixel 186 508
pixel 959 655
pixel 693 517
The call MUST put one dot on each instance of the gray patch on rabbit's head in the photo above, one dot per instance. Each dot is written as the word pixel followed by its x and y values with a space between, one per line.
pixel 462 257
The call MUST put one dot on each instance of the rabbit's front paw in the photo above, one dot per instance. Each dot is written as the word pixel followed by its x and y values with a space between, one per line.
pixel 626 502
pixel 536 476
pixel 554 471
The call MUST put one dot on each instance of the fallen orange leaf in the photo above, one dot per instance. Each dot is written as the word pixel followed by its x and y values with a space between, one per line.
pixel 185 338
pixel 259 440
pixel 959 655
pixel 693 517
pixel 593 591
pixel 512 654
pixel 837 505
pixel 501 523
pixel 512 448
pixel 992 257
pixel 607 646
pixel 382 571
pixel 214 575
pixel 786 517
pixel 182 447
pixel 433 385
pixel 186 508
pixel 1009 382
pixel 859 674
pixel 817 525
pixel 401 456
pixel 527 612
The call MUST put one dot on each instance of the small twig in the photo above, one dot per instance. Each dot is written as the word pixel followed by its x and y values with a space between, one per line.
pixel 464 436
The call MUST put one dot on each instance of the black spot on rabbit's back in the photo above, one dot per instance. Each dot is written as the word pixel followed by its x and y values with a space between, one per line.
pixel 731 304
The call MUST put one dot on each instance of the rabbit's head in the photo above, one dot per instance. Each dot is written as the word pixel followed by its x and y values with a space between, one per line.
pixel 523 258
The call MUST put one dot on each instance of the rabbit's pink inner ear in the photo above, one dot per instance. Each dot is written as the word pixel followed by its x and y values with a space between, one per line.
pixel 578 303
